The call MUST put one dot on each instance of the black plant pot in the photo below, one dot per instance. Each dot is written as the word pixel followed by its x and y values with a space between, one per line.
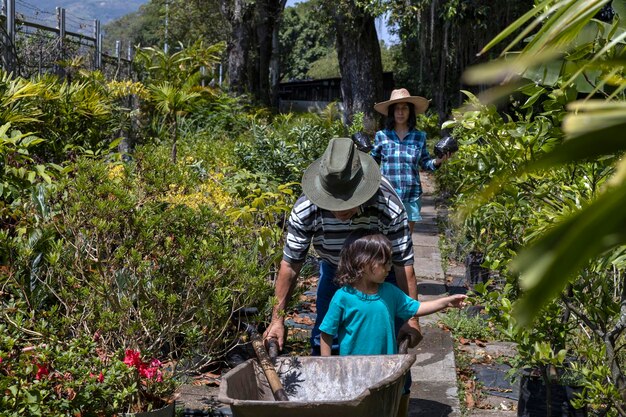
pixel 533 399
pixel 474 272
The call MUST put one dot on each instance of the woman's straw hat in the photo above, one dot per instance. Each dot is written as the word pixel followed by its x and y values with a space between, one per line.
pixel 343 178
pixel 402 95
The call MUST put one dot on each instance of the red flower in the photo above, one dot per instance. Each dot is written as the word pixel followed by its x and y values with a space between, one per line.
pixel 151 371
pixel 42 371
pixel 133 358
pixel 98 378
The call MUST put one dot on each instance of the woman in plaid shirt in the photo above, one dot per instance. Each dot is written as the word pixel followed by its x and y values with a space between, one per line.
pixel 400 149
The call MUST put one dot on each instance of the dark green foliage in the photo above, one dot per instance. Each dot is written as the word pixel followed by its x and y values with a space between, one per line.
pixel 284 150
pixel 306 35
pixel 188 21
pixel 440 39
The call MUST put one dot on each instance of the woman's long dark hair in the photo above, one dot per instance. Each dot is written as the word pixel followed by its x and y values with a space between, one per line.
pixel 390 122
pixel 362 249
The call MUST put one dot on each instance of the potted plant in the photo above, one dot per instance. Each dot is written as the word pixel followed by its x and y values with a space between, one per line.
pixel 548 381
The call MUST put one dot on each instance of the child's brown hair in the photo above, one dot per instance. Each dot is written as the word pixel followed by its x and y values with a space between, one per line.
pixel 362 249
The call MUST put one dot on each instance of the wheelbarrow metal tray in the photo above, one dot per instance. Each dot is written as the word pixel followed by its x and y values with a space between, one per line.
pixel 319 386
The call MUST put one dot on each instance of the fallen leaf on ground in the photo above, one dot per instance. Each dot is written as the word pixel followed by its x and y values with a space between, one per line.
pixel 464 341
pixel 207 379
pixel 303 320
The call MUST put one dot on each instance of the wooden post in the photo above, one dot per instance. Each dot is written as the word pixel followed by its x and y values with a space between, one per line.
pixel 98 54
pixel 9 62
pixel 61 26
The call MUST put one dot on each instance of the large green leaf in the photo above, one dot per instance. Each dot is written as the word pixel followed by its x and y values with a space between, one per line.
pixel 590 136
pixel 546 266
pixel 519 23
pixel 564 25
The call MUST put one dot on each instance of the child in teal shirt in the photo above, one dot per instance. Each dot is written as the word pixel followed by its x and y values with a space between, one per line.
pixel 362 313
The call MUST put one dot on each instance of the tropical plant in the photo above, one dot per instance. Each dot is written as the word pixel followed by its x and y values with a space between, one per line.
pixel 174 84
pixel 571 49
pixel 284 150
pixel 173 103
pixel 18 169
pixel 71 116
pixel 467 326
pixel 265 207
pixel 524 208
pixel 155 66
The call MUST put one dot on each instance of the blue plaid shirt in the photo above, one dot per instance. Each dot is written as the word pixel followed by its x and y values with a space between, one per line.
pixel 400 160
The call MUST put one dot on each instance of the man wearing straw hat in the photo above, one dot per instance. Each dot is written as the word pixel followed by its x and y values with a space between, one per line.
pixel 343 192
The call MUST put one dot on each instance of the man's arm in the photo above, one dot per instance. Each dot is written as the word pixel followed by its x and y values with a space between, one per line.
pixel 405 278
pixel 285 284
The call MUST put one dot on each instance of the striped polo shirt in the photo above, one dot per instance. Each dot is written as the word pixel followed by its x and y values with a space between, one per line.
pixel 310 224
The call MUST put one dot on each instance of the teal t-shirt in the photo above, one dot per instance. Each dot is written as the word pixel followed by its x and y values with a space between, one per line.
pixel 364 323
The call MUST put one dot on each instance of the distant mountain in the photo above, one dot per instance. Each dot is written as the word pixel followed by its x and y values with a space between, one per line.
pixel 104 10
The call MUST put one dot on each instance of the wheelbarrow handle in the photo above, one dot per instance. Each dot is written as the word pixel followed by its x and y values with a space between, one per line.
pixel 403 346
pixel 268 367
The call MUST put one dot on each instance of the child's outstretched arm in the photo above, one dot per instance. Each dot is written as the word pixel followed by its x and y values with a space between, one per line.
pixel 326 344
pixel 433 306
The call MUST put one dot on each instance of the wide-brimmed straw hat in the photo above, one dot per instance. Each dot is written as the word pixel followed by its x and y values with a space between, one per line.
pixel 343 178
pixel 402 95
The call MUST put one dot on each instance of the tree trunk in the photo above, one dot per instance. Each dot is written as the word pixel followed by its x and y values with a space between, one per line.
pixel 359 63
pixel 275 59
pixel 238 13
pixel 264 31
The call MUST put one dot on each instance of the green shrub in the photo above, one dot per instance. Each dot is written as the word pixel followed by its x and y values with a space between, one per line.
pixel 284 150
pixel 42 375
pixel 148 258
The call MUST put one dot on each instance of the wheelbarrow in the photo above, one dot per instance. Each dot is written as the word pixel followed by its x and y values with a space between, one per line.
pixel 319 386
